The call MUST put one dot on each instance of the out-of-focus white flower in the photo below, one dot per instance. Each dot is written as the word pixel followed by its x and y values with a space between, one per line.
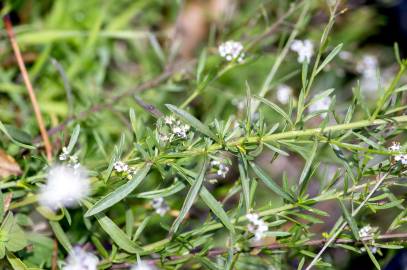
pixel 79 259
pixel 320 105
pixel 120 166
pixel 143 266
pixel 256 225
pixel 169 120
pixel 65 186
pixel 284 92
pixel 222 169
pixel 345 55
pixel 399 157
pixel 367 231
pixel 160 206
pixel 367 66
pixel 305 50
pixel 231 50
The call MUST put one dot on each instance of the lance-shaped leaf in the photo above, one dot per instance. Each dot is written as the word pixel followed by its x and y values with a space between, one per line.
pixel 117 235
pixel 270 182
pixel 190 199
pixel 60 235
pixel 351 221
pixel 209 200
pixel 305 175
pixel 120 193
pixel 192 121
pixel 244 179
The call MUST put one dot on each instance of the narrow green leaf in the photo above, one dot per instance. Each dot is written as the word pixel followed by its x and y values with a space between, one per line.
pixel 22 145
pixel 164 192
pixel 74 138
pixel 276 108
pixel 210 201
pixel 329 58
pixel 190 199
pixel 305 172
pixel 192 121
pixel 60 235
pixel 270 182
pixel 117 235
pixel 372 257
pixel 351 221
pixel 244 179
pixel 120 193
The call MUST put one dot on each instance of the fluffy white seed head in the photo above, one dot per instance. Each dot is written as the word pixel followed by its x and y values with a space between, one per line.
pixel 304 49
pixel 79 259
pixel 66 186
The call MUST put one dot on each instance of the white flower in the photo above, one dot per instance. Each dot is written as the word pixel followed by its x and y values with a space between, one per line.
pixel 79 259
pixel 143 266
pixel 305 50
pixel 256 226
pixel 65 186
pixel 345 55
pixel 368 67
pixel 120 166
pixel 221 168
pixel 399 157
pixel 169 120
pixel 231 50
pixel 367 231
pixel 160 206
pixel 180 130
pixel 284 93
pixel 320 105
pixel 65 154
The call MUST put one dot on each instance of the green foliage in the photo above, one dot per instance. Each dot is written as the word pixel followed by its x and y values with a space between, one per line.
pixel 190 155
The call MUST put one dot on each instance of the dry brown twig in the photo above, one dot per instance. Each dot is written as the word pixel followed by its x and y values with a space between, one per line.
pixel 10 32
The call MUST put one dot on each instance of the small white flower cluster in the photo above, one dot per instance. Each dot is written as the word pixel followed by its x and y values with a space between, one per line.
pixel 177 130
pixel 143 266
pixel 284 92
pixel 304 49
pixel 367 231
pixel 79 259
pixel 320 105
pixel 65 186
pixel 368 67
pixel 222 169
pixel 120 166
pixel 160 206
pixel 232 50
pixel 71 159
pixel 257 226
pixel 399 157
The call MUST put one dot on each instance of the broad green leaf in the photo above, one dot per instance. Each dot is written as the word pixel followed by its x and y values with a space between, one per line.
pixel 15 262
pixel 117 235
pixel 22 145
pixel 120 193
pixel 351 221
pixel 12 234
pixel 60 235
pixel 190 199
pixel 270 182
pixel 192 121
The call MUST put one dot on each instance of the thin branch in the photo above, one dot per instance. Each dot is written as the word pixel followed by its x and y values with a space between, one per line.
pixel 278 246
pixel 102 106
pixel 26 78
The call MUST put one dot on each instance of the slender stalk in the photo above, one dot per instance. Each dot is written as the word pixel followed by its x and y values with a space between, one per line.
pixel 27 82
pixel 340 229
